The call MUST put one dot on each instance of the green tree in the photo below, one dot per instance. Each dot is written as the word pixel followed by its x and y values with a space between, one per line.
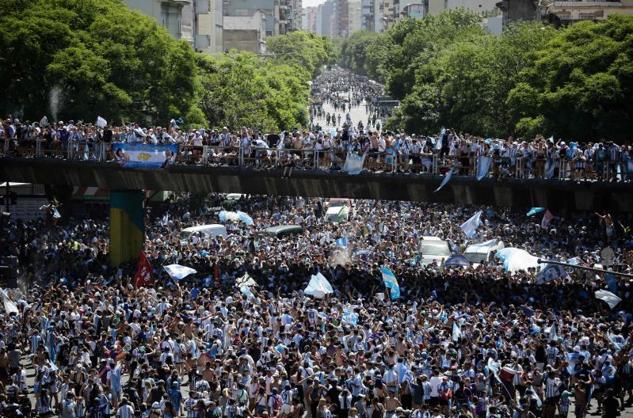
pixel 105 59
pixel 306 50
pixel 579 85
pixel 241 89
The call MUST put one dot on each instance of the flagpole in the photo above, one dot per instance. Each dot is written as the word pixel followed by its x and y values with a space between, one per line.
pixel 615 273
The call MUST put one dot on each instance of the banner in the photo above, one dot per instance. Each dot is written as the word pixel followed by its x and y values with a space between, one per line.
pixel 550 166
pixel 143 155
pixel 483 167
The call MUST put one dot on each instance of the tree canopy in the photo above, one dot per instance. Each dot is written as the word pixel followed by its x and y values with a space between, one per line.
pixel 242 89
pixel 303 49
pixel 102 57
pixel 77 59
pixel 448 71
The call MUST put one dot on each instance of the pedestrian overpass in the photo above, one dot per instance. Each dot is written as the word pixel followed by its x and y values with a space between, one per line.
pixel 127 186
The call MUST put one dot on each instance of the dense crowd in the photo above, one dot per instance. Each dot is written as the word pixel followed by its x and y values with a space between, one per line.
pixel 459 342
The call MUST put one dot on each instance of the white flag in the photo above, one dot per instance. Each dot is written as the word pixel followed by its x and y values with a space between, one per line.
pixel 101 123
pixel 178 272
pixel 470 226
pixel 447 178
pixel 553 335
pixel 9 306
pixel 457 332
pixel 318 286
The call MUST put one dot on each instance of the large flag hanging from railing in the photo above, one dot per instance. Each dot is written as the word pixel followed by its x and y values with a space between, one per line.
pixel 354 163
pixel 483 167
pixel 549 168
pixel 143 155
pixel 447 178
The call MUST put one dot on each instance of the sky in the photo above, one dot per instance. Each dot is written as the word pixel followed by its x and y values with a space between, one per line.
pixel 310 3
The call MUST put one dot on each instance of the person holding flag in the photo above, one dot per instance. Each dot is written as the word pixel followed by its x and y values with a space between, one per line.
pixel 391 282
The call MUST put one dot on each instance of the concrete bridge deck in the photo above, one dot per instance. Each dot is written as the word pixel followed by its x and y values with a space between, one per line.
pixel 560 195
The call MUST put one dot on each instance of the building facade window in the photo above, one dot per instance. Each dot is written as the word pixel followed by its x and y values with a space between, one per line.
pixel 171 19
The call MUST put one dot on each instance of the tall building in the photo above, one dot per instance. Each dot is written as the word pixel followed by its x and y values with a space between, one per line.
pixel 355 16
pixel 484 7
pixel 199 22
pixel 342 18
pixel 309 19
pixel 282 16
pixel 367 15
pixel 245 33
pixel 562 12
pixel 326 20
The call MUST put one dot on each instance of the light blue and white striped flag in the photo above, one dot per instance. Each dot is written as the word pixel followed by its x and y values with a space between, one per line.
pixel 483 167
pixel 354 163
pixel 470 226
pixel 342 242
pixel 391 282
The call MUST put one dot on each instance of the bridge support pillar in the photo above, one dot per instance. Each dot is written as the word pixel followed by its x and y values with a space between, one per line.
pixel 127 227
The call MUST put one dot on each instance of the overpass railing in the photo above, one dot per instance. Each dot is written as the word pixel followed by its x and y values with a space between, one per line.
pixel 333 159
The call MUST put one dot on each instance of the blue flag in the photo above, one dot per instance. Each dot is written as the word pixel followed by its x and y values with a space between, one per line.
pixel 342 242
pixel 612 282
pixel 470 226
pixel 391 282
pixel 535 211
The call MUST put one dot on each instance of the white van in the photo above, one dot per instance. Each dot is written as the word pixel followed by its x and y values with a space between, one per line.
pixel 338 210
pixel 208 231
pixel 433 249
pixel 483 251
